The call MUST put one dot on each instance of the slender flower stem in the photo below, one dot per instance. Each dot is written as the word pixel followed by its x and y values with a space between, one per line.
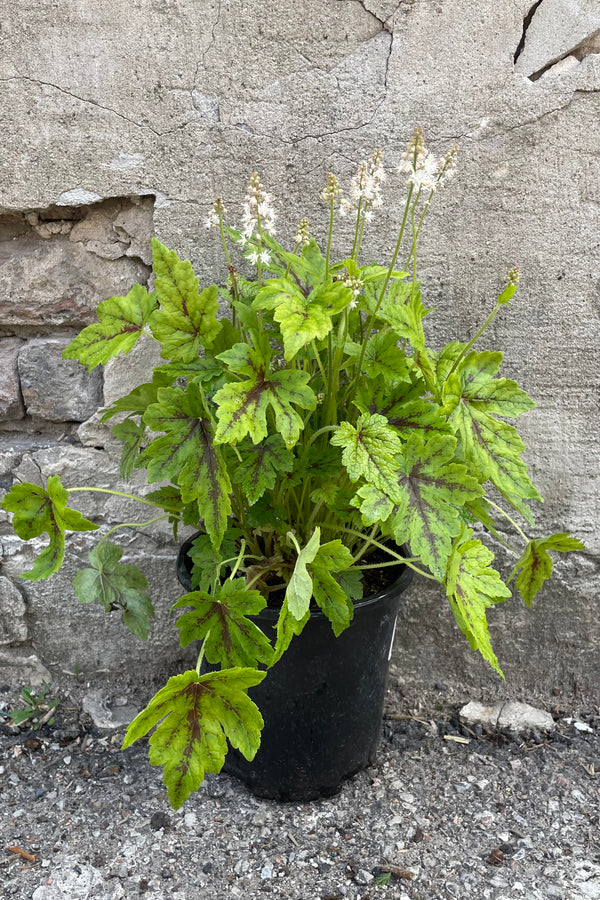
pixel 287 271
pixel 360 236
pixel 425 208
pixel 331 215
pixel 464 352
pixel 358 212
pixel 224 242
pixel 509 518
pixel 385 284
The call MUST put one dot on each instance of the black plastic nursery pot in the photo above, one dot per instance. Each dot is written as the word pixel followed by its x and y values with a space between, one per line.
pixel 322 703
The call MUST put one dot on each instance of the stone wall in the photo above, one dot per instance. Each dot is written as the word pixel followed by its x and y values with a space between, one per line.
pixel 119 118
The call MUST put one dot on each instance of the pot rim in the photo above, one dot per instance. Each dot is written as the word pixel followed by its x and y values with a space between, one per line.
pixel 268 612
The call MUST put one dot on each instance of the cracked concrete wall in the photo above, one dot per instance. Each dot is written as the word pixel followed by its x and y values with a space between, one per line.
pixel 179 101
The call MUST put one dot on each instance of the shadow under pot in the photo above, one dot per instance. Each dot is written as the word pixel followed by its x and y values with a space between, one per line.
pixel 322 703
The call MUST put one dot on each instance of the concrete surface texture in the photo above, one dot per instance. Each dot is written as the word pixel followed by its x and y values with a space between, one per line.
pixel 121 118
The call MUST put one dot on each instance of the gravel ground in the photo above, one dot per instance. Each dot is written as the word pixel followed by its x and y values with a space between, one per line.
pixel 445 812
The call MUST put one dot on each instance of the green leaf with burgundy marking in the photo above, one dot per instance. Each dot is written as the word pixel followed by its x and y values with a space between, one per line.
pixel 195 715
pixel 207 562
pixel 39 511
pixel 132 434
pixel 187 455
pixel 262 466
pixel 122 321
pixel 472 586
pixel 403 310
pixel 535 564
pixel 187 319
pixel 139 399
pixel 301 318
pixel 328 593
pixel 371 450
pixel 430 490
pixel 472 399
pixel 384 357
pixel 242 405
pixel 221 619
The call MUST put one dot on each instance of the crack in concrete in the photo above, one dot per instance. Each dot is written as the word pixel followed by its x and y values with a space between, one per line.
pixel 526 23
pixel 589 46
pixel 212 41
pixel 243 126
pixel 385 23
pixel 68 93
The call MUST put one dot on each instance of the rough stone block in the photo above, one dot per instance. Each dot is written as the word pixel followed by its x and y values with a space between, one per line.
pixel 13 627
pixel 11 401
pixel 19 670
pixel 54 388
pixel 512 715
pixel 125 372
pixel 57 264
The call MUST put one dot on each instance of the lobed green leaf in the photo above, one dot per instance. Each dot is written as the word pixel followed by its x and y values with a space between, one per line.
pixel 122 321
pixel 194 717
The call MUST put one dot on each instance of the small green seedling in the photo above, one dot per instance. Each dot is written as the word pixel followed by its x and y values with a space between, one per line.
pixel 35 711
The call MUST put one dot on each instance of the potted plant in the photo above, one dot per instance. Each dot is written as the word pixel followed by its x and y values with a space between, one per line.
pixel 322 449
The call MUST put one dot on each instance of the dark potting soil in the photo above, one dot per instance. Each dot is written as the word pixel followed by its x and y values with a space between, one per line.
pixel 374 580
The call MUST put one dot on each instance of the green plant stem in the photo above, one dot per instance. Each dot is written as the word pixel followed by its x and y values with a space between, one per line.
pixel 384 288
pixel 315 435
pixel 132 525
pixel 367 540
pixel 398 556
pixel 413 249
pixel 287 271
pixel 510 519
pixel 119 494
pixel 223 241
pixel 320 365
pixel 425 208
pixel 331 216
pixel 485 325
pixel 358 211
pixel 238 561
pixel 201 654
pixel 332 398
pixel 361 232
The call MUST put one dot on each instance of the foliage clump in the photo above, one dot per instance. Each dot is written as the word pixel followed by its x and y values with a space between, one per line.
pixel 304 428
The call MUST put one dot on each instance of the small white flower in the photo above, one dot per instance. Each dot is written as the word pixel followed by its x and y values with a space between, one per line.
pixel 425 176
pixel 265 257
pixel 216 214
pixel 368 215
pixel 366 184
pixel 252 257
pixel 257 212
